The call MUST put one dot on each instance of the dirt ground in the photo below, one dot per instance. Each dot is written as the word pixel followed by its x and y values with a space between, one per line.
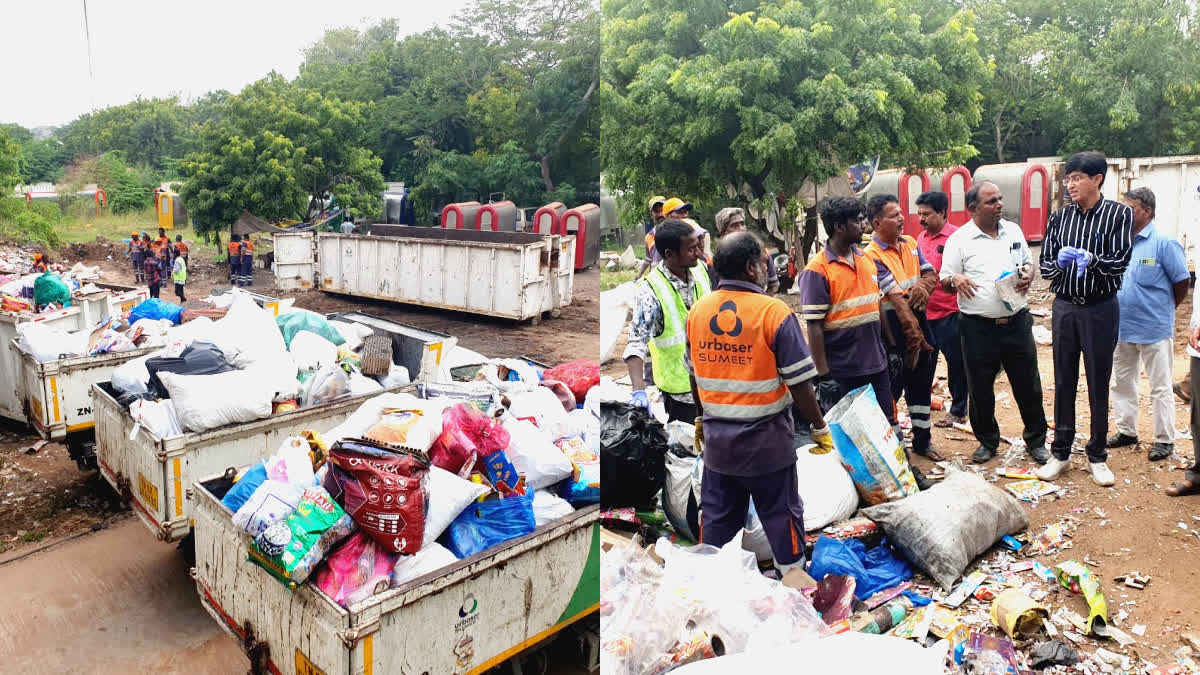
pixel 1142 530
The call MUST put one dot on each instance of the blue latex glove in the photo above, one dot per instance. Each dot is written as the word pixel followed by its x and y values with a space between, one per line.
pixel 1066 256
pixel 640 400
pixel 1082 258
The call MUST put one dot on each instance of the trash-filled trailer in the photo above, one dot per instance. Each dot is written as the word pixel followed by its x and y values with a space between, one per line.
pixel 513 275
pixel 152 474
pixel 54 396
pixel 467 617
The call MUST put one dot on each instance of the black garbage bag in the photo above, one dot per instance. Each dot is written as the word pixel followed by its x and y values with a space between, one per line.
pixel 633 448
pixel 200 358
pixel 1052 653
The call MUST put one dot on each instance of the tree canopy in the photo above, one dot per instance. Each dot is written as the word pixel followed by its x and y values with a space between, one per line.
pixel 741 96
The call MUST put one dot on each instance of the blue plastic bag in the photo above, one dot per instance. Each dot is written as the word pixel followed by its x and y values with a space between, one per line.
pixel 873 570
pixel 155 309
pixel 241 490
pixel 485 524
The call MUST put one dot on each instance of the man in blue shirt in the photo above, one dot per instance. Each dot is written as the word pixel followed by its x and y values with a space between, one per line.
pixel 1154 284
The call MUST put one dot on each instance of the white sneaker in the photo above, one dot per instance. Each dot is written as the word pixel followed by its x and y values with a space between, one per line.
pixel 1053 468
pixel 1101 474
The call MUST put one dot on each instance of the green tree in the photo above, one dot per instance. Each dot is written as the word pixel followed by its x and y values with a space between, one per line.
pixel 10 163
pixel 147 131
pixel 756 98
pixel 280 151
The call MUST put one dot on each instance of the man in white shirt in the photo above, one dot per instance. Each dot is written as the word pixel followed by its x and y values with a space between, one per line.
pixel 995 325
pixel 1190 485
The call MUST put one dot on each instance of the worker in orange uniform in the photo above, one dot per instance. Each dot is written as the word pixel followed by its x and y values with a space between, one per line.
pixel 911 374
pixel 247 275
pixel 749 368
pixel 41 263
pixel 840 291
pixel 234 248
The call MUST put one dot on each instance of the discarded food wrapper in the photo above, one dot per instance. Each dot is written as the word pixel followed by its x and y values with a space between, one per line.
pixel 834 597
pixel 987 654
pixel 1055 537
pixel 1044 572
pixel 1011 543
pixel 916 625
pixel 1014 472
pixel 943 620
pixel 1015 612
pixel 1032 490
pixel 1073 575
pixel 965 589
pixel 1023 566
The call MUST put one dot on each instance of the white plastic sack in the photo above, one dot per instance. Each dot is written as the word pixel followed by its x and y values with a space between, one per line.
pixel 132 377
pixel 431 558
pixel 942 529
pixel 607 390
pixel 361 384
pixel 312 352
pixel 353 333
pixel 541 406
pixel 842 653
pixel 157 417
pixel 527 373
pixel 247 328
pixel 615 307
pixel 371 412
pixel 199 328
pixel 825 488
pixel 327 384
pixel 47 343
pixel 204 402
pixel 291 463
pixel 271 501
pixel 397 377
pixel 449 495
pixel 534 454
pixel 681 492
pixel 548 506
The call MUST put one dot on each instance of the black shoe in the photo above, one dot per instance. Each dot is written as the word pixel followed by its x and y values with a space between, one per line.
pixel 1040 454
pixel 923 483
pixel 1161 451
pixel 982 455
pixel 1120 440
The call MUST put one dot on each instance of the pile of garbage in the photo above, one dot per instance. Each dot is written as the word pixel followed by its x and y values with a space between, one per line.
pixel 407 485
pixel 950 570
pixel 44 291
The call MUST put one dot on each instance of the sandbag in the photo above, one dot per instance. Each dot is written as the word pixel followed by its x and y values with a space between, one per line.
pixel 157 417
pixel 352 333
pixel 869 448
pixel 47 343
pixel 311 351
pixel 941 530
pixel 681 488
pixel 540 406
pixel 632 456
pixel 449 495
pixel 548 506
pixel 294 322
pixel 204 402
pixel 533 453
pixel 431 558
pixel 579 376
pixel 132 376
pixel 825 488
pixel 48 288
pixel 200 358
pixel 155 309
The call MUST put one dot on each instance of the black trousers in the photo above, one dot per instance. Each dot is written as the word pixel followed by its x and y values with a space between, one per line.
pixel 1193 474
pixel 988 347
pixel 154 290
pixel 916 385
pixel 946 342
pixel 179 292
pixel 1090 330
pixel 678 411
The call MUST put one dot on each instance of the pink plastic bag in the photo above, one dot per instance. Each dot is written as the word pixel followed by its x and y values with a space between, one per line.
pixel 468 435
pixel 354 571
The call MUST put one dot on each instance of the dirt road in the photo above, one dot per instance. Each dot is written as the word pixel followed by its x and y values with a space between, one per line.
pixel 117 602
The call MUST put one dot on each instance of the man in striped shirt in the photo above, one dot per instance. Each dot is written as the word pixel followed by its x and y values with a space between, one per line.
pixel 1084 256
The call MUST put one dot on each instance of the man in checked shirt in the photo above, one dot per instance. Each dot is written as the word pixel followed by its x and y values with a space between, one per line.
pixel 1084 256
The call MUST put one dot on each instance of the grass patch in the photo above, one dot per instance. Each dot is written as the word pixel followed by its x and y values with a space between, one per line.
pixel 611 279
pixel 114 227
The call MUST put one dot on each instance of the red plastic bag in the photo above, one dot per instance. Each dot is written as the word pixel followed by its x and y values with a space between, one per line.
pixel 383 488
pixel 579 376
pixel 355 570
pixel 468 436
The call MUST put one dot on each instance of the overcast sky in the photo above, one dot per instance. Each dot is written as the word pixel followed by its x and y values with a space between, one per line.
pixel 156 49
